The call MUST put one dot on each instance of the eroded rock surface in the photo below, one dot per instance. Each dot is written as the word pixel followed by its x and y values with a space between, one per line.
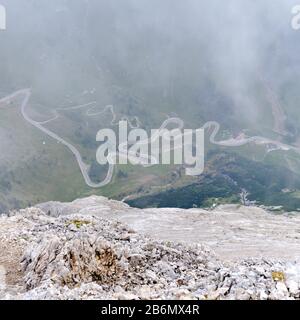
pixel 81 251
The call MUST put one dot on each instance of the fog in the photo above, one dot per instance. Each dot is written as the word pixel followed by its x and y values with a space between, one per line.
pixel 234 62
pixel 172 49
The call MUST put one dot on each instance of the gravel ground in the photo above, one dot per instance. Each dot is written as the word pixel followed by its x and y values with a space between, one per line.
pixel 78 253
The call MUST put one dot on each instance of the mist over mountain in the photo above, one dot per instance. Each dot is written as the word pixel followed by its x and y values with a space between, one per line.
pixel 64 47
pixel 234 62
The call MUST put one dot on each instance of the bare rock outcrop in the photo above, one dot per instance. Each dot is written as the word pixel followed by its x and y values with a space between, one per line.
pixel 86 256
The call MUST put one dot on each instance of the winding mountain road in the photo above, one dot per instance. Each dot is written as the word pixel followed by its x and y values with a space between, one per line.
pixel 84 168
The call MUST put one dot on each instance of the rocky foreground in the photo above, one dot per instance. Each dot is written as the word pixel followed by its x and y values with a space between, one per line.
pixel 81 251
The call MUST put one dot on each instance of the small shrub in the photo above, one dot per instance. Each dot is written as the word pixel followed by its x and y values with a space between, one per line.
pixel 278 276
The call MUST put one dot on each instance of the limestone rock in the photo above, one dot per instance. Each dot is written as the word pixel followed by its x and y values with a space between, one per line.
pixel 52 252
